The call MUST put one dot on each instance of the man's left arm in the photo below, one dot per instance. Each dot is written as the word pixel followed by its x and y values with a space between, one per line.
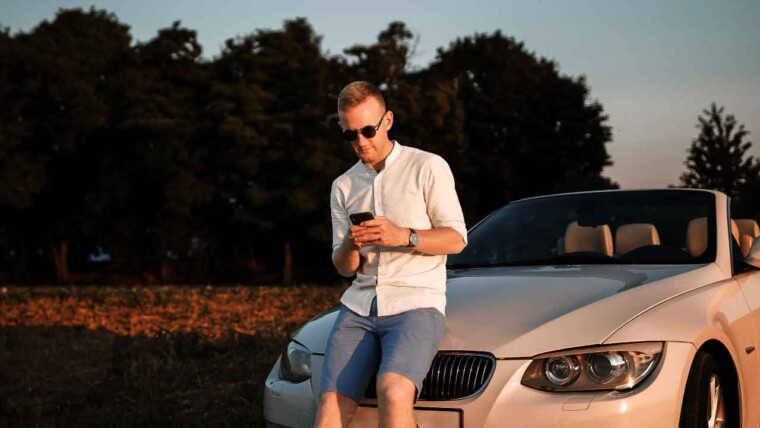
pixel 448 235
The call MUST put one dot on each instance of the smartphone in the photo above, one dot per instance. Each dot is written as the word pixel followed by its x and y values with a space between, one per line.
pixel 358 218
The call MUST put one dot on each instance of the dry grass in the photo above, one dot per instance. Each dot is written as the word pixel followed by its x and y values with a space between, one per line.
pixel 144 356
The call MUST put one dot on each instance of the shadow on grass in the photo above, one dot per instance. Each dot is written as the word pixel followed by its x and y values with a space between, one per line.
pixel 72 376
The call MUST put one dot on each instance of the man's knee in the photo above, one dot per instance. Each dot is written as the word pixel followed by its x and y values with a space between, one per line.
pixel 395 389
pixel 332 401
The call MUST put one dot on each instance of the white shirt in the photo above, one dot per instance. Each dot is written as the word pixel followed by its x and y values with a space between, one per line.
pixel 414 189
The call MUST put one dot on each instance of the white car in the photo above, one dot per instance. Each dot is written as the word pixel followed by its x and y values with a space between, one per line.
pixel 628 308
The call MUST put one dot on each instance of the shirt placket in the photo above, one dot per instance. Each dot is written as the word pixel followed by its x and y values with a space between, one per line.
pixel 377 187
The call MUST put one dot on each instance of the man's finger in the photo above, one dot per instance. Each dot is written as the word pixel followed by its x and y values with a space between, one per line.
pixel 371 223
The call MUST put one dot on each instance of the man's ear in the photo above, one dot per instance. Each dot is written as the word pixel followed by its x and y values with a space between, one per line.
pixel 388 120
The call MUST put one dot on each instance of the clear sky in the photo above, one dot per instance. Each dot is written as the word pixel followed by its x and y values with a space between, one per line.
pixel 653 64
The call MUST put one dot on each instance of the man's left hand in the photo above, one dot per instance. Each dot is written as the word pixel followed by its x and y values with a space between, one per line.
pixel 381 231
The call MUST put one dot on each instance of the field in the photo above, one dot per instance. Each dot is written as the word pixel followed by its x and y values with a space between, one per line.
pixel 145 356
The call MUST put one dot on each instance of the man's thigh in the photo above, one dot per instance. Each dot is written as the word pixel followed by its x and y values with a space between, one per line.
pixel 351 356
pixel 410 341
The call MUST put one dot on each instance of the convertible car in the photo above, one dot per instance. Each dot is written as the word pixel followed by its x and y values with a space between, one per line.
pixel 624 308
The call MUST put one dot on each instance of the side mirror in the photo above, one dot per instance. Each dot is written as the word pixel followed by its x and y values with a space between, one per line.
pixel 753 258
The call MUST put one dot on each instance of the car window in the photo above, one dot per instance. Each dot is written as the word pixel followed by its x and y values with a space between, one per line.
pixel 632 227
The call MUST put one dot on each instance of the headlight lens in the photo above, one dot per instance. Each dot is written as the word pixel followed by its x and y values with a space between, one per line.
pixel 295 363
pixel 613 367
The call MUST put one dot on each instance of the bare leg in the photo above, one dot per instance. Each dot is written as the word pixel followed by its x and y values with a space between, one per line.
pixel 395 401
pixel 335 410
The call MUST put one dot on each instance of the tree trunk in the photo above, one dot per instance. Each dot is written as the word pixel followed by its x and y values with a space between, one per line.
pixel 165 271
pixel 287 270
pixel 61 260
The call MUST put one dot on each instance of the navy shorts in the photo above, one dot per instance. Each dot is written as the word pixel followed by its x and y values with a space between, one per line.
pixel 359 347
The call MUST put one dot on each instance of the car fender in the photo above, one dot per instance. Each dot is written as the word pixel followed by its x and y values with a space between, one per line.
pixel 715 312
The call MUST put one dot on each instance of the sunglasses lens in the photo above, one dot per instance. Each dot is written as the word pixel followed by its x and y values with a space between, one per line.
pixel 349 135
pixel 369 131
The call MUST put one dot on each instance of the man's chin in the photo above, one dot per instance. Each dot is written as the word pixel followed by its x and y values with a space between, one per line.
pixel 365 158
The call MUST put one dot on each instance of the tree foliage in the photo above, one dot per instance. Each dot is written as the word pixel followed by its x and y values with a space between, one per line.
pixel 187 168
pixel 716 158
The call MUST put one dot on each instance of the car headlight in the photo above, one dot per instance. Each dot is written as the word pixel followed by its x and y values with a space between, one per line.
pixel 614 367
pixel 295 363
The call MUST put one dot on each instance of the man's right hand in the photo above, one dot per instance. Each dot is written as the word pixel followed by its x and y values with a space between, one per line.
pixel 354 233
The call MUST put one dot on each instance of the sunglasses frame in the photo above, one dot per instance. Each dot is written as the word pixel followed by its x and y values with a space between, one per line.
pixel 369 129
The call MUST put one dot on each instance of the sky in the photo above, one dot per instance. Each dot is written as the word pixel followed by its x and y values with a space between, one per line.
pixel 654 65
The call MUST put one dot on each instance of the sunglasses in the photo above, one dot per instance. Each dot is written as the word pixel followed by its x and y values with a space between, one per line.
pixel 368 131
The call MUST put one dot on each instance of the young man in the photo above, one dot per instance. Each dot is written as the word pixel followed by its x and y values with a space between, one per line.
pixel 392 317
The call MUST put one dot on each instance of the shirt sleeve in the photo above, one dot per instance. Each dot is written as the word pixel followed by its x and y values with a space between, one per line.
pixel 340 221
pixel 441 198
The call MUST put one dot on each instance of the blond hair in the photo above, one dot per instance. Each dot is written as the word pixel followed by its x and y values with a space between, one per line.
pixel 356 93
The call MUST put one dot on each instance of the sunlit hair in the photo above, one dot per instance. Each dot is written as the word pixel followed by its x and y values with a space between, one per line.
pixel 356 93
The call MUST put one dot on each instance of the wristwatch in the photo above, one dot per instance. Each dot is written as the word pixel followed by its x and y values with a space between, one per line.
pixel 414 239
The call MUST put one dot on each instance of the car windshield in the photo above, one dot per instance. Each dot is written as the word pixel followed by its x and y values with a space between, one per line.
pixel 630 227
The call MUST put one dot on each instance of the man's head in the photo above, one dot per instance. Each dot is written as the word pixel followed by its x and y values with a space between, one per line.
pixel 361 111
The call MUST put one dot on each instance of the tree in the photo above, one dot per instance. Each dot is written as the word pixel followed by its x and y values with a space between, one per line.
pixel 154 180
pixel 61 86
pixel 716 159
pixel 528 130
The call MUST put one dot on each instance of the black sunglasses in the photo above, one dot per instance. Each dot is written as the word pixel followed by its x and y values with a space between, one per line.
pixel 368 131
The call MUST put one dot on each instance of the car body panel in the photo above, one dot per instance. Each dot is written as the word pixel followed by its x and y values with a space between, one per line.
pixel 518 312
pixel 717 312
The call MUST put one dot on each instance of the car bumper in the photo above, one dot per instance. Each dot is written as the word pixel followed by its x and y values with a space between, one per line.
pixel 507 403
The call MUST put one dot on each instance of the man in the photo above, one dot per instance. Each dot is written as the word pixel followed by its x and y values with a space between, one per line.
pixel 392 318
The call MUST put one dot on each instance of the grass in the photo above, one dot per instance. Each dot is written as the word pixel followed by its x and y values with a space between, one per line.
pixel 145 356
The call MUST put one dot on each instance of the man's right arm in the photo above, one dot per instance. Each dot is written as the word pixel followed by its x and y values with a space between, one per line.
pixel 346 257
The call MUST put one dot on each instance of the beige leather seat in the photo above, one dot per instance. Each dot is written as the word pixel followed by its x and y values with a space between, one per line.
pixel 635 235
pixel 596 239
pixel 735 231
pixel 696 236
pixel 748 231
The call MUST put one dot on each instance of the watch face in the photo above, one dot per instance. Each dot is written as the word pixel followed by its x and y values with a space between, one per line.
pixel 414 239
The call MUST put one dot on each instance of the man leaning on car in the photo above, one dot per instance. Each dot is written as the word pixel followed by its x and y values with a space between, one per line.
pixel 391 320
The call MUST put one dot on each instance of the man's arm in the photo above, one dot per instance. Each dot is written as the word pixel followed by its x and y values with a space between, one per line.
pixel 346 257
pixel 383 232
pixel 440 241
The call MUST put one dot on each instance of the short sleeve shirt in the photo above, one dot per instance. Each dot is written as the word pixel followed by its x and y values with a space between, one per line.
pixel 415 189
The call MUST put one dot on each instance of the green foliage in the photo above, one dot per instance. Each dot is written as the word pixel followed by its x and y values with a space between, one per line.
pixel 187 168
pixel 716 158
pixel 527 129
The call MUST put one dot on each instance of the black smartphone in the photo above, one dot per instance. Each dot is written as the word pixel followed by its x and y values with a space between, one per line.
pixel 358 218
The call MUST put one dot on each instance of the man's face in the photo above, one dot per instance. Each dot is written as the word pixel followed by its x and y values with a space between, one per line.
pixel 369 113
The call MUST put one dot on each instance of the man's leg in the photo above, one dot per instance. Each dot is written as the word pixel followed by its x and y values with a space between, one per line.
pixel 409 342
pixel 335 410
pixel 351 357
pixel 395 400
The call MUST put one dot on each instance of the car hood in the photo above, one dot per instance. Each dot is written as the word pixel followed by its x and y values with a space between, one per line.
pixel 519 312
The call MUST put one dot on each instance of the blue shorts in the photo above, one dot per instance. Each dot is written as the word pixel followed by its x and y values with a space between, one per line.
pixel 359 347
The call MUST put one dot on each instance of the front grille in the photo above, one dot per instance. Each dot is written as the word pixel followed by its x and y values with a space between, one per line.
pixel 452 375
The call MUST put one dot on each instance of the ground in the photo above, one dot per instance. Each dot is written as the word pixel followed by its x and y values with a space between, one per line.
pixel 145 356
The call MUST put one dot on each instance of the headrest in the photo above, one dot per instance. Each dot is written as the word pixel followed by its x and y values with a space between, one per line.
pixel 735 231
pixel 747 226
pixel 746 244
pixel 696 236
pixel 597 239
pixel 631 236
pixel 748 231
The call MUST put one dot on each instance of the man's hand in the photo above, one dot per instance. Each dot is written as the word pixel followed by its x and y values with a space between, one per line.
pixel 379 231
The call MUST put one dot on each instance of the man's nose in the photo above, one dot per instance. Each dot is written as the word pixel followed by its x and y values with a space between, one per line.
pixel 362 141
